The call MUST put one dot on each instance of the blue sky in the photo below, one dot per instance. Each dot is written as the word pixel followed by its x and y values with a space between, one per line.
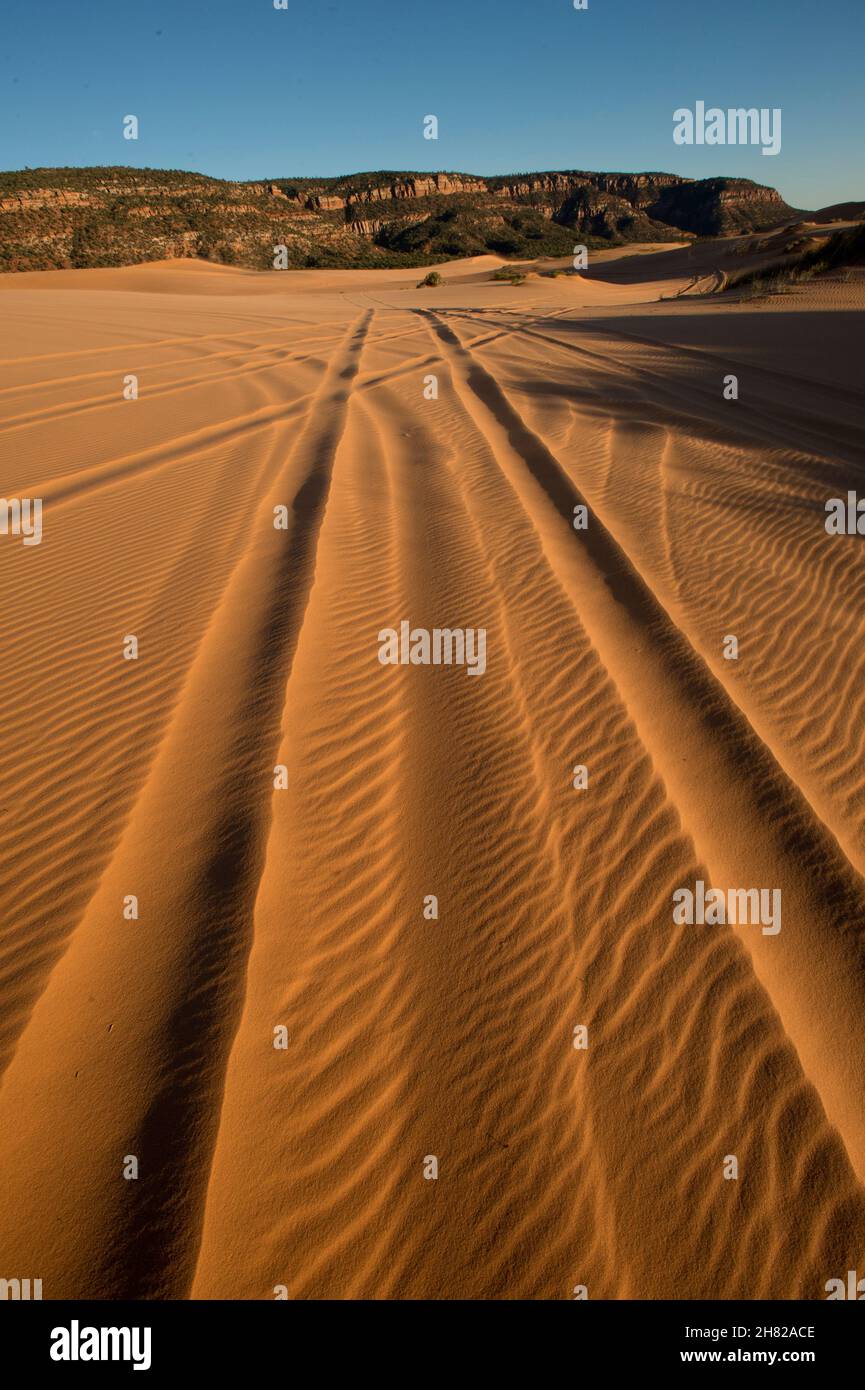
pixel 239 90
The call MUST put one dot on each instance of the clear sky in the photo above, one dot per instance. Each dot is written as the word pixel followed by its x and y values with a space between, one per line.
pixel 239 90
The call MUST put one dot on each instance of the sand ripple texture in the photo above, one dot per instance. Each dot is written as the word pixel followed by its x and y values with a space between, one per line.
pixel 300 906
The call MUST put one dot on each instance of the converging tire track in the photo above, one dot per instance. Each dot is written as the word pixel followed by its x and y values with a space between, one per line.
pixel 814 970
pixel 428 456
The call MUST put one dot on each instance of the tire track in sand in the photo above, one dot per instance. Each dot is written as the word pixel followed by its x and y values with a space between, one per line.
pixel 145 1012
pixel 814 970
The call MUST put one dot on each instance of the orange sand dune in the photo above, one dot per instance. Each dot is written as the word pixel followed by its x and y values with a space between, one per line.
pixel 283 806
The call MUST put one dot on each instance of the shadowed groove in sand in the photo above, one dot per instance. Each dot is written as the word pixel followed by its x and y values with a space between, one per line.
pixel 101 719
pixel 149 1247
pixel 547 910
pixel 630 590
pixel 407 1038
pixel 796 598
pixel 810 852
pixel 653 391
pixel 183 1116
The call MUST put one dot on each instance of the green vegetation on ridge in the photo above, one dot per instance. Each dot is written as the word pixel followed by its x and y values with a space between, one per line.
pixel 104 216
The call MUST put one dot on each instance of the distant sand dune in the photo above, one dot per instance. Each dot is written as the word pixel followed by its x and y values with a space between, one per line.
pixel 303 907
